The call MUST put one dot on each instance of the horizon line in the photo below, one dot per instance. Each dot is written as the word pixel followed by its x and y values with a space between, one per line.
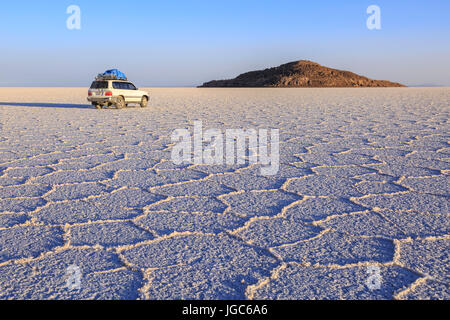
pixel 195 86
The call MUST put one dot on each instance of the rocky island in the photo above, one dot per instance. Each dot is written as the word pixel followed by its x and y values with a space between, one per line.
pixel 299 74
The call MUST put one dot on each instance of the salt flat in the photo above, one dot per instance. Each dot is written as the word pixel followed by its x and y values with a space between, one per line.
pixel 363 183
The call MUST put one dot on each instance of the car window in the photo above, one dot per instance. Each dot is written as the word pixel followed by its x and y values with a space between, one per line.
pixel 123 86
pixel 131 86
pixel 99 85
pixel 118 85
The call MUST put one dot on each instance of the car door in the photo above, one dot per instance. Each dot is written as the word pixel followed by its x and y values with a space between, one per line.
pixel 119 90
pixel 133 93
pixel 126 92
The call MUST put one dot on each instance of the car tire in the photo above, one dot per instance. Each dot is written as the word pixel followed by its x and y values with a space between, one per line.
pixel 120 103
pixel 97 105
pixel 144 102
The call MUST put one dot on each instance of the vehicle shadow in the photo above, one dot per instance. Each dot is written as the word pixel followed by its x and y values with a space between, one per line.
pixel 46 105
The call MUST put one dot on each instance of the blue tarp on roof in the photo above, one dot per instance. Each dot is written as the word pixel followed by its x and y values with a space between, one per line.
pixel 114 73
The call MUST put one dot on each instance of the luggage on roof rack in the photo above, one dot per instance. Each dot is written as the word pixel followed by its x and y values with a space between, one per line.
pixel 112 74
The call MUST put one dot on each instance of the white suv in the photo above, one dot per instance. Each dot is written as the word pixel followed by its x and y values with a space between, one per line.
pixel 116 92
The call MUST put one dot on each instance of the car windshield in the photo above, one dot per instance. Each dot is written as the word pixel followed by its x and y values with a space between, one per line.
pixel 99 85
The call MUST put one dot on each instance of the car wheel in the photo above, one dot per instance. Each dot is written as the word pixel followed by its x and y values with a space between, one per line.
pixel 97 105
pixel 120 103
pixel 144 102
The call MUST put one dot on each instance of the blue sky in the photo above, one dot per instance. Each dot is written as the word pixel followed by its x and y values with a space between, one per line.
pixel 185 43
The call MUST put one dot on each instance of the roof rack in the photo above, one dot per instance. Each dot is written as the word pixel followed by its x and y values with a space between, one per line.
pixel 101 76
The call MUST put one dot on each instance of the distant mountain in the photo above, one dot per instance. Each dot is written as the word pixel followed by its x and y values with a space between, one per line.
pixel 300 74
